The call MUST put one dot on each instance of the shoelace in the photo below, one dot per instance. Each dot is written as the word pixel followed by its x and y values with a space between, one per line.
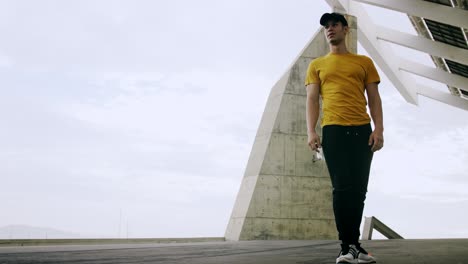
pixel 361 250
pixel 353 252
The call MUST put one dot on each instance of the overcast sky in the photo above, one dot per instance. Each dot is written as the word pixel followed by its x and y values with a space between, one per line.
pixel 137 118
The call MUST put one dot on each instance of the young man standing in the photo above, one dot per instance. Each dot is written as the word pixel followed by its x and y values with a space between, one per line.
pixel 342 79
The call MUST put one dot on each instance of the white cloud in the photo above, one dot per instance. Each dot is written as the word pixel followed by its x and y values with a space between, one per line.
pixel 176 106
pixel 5 61
pixel 153 144
pixel 422 157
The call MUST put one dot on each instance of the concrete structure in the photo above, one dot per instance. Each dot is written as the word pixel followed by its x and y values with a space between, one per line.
pixel 284 194
pixel 395 251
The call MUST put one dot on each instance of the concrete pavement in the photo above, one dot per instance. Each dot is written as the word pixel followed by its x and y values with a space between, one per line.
pixel 454 251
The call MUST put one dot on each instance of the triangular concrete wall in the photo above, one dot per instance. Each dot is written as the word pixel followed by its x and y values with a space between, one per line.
pixel 284 195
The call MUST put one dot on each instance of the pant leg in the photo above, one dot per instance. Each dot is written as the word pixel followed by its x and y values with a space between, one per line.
pixel 348 160
pixel 360 170
pixel 335 149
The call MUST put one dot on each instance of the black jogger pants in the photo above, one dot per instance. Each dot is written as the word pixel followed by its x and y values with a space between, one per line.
pixel 348 157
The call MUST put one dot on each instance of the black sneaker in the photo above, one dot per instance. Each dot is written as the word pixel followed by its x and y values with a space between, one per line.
pixel 348 254
pixel 363 256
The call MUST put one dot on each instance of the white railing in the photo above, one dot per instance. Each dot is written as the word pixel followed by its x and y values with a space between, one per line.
pixel 371 223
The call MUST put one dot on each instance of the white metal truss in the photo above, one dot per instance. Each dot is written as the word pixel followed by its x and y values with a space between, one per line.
pixel 434 74
pixel 423 44
pixel 444 14
pixel 376 40
pixel 435 94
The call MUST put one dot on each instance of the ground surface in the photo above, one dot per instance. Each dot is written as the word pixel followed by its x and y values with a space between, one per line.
pixel 453 251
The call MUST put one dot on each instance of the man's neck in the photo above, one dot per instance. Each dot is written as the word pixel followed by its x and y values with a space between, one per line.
pixel 339 49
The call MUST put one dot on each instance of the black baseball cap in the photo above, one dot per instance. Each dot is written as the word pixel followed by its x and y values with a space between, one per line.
pixel 337 17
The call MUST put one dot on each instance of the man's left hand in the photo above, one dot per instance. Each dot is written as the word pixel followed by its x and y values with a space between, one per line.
pixel 376 140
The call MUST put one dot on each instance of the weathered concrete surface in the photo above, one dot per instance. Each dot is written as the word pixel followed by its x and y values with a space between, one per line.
pixel 284 194
pixel 103 241
pixel 453 251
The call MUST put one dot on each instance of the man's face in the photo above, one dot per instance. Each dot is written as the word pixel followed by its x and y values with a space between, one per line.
pixel 335 32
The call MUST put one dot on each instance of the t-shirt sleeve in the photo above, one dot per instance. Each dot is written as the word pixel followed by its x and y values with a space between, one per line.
pixel 372 75
pixel 312 75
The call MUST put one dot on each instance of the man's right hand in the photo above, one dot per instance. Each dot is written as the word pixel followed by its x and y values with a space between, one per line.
pixel 314 141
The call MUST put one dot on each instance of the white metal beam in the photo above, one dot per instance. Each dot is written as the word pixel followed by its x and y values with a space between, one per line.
pixel 382 53
pixel 435 74
pixel 340 6
pixel 435 48
pixel 440 13
pixel 443 97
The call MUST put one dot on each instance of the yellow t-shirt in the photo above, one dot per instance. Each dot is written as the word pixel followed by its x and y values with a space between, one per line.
pixel 342 79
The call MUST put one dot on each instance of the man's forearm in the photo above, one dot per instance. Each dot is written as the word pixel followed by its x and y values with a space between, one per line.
pixel 375 107
pixel 313 110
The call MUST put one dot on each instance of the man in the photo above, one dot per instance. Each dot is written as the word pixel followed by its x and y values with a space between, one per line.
pixel 342 79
